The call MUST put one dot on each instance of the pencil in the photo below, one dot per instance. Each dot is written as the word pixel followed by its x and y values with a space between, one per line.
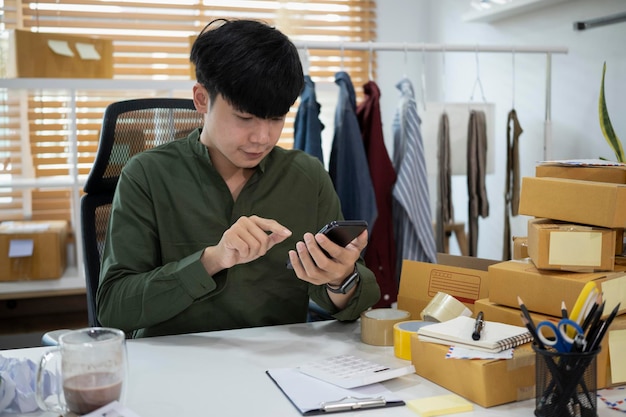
pixel 595 343
pixel 533 331
pixel 563 310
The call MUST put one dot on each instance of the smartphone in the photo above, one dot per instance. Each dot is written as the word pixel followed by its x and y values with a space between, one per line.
pixel 341 232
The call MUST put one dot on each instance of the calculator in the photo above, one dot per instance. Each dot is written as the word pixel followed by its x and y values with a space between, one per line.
pixel 349 371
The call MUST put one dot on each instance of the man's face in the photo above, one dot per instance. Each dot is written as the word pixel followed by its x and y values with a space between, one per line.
pixel 238 140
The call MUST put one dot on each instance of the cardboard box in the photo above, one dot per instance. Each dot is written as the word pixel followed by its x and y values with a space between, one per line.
pixel 520 247
pixel 52 55
pixel 543 290
pixel 463 277
pixel 584 202
pixel 33 250
pixel 487 382
pixel 510 315
pixel 599 173
pixel 570 247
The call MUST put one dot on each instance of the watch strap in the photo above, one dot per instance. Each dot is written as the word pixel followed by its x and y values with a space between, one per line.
pixel 347 283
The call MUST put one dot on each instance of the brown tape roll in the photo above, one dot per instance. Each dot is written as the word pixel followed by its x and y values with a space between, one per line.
pixel 377 325
pixel 444 307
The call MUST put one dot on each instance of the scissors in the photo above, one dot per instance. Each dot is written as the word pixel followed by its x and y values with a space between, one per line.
pixel 559 334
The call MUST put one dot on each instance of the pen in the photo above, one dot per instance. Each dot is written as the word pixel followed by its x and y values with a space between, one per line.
pixel 595 343
pixel 478 326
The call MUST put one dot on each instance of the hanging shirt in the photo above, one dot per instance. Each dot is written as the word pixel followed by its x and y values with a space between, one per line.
pixel 445 209
pixel 478 204
pixel 308 127
pixel 411 201
pixel 380 255
pixel 348 166
pixel 512 184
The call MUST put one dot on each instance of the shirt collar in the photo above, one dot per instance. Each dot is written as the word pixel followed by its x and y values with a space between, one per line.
pixel 199 149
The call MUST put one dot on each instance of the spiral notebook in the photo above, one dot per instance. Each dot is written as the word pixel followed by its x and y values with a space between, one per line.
pixel 495 336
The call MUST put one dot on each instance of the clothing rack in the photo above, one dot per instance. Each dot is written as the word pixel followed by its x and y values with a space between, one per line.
pixel 445 48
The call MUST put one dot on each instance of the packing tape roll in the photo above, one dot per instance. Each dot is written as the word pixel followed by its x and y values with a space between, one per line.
pixel 402 333
pixel 444 307
pixel 377 325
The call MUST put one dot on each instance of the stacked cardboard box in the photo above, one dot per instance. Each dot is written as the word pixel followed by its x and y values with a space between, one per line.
pixel 575 235
pixel 485 382
pixel 32 250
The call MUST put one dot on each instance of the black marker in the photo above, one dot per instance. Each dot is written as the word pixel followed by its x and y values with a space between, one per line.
pixel 478 326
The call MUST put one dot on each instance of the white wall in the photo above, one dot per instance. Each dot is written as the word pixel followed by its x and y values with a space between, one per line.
pixel 575 84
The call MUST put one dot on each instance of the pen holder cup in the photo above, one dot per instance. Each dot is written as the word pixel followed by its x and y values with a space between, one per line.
pixel 566 384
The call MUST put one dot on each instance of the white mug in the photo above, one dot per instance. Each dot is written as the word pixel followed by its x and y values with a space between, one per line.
pixel 93 370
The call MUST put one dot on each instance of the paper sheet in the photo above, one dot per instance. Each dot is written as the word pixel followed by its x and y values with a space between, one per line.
pixel 20 248
pixel 458 352
pixel 617 347
pixel 307 393
pixel 60 47
pixel 87 51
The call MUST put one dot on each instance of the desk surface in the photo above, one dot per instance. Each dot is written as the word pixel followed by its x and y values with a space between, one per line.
pixel 223 373
pixel 71 283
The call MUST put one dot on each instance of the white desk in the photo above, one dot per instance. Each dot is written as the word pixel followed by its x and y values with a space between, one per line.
pixel 223 373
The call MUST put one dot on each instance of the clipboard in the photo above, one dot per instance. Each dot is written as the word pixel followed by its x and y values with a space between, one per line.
pixel 312 396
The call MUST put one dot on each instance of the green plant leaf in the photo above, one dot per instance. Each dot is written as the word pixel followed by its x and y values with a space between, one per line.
pixel 606 126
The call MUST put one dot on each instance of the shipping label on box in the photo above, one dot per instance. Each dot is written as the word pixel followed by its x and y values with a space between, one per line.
pixel 463 277
pixel 33 250
pixel 543 290
pixel 584 202
pixel 487 382
pixel 570 247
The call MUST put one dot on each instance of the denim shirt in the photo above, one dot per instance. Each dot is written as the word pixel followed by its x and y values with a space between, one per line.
pixel 308 127
pixel 348 165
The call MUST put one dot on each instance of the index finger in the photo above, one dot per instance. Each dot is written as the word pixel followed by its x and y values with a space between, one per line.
pixel 277 231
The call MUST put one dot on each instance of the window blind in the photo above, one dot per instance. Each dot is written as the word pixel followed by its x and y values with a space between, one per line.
pixel 151 40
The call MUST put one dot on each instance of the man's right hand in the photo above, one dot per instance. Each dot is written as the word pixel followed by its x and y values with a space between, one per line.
pixel 246 240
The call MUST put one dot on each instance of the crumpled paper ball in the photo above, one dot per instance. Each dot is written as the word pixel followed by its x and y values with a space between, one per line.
pixel 17 385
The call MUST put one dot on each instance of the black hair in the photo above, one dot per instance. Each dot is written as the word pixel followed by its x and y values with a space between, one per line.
pixel 252 65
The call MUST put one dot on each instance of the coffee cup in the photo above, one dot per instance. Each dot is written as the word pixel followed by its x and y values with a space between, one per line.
pixel 91 367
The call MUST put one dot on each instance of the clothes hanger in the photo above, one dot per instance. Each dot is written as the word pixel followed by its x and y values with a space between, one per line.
pixel 370 64
pixel 477 82
pixel 341 56
pixel 443 77
pixel 406 59
pixel 306 62
pixel 424 77
pixel 513 82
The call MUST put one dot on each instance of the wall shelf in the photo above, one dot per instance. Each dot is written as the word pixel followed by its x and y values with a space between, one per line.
pixel 502 11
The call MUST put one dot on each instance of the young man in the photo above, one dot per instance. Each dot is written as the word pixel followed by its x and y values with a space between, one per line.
pixel 201 228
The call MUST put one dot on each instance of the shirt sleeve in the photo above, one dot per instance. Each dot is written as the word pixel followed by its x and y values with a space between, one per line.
pixel 136 289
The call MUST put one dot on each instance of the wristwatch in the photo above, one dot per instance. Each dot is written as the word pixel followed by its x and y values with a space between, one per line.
pixel 347 283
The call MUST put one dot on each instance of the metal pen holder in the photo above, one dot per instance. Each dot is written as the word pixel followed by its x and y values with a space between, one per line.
pixel 566 384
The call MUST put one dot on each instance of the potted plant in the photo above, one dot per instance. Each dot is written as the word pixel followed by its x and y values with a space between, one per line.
pixel 606 126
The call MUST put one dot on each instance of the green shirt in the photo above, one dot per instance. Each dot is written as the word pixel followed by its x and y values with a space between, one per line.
pixel 171 203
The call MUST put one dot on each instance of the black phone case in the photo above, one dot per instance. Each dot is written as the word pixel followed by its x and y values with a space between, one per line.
pixel 344 231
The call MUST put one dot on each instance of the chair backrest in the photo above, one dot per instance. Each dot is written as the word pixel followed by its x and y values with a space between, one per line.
pixel 128 127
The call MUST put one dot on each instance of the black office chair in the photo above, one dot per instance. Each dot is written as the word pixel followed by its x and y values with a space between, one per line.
pixel 128 127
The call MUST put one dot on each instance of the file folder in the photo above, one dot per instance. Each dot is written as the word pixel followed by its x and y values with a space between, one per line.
pixel 312 396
